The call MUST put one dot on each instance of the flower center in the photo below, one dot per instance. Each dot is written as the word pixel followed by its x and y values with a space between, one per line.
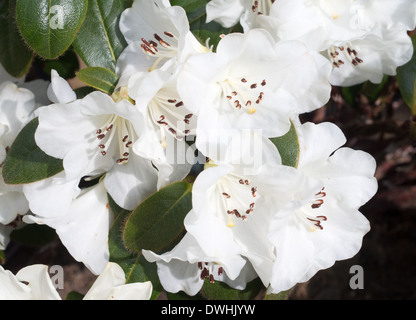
pixel 349 52
pixel 116 130
pixel 238 197
pixel 168 112
pixel 208 270
pixel 243 94
pixel 262 6
pixel 313 222
pixel 160 47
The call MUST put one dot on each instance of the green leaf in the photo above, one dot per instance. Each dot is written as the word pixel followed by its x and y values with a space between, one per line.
pixel 406 78
pixel 221 291
pixel 288 146
pixel 74 295
pixel 98 78
pixel 135 266
pixel 99 42
pixel 15 56
pixel 26 162
pixel 66 65
pixel 157 223
pixel 50 26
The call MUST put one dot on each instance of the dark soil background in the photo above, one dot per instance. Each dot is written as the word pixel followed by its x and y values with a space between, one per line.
pixel 378 125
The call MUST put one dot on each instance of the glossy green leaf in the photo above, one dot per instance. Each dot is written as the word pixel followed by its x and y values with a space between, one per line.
pixel 49 26
pixel 15 56
pixel 288 146
pixel 406 78
pixel 134 265
pixel 98 78
pixel 157 223
pixel 99 42
pixel 26 162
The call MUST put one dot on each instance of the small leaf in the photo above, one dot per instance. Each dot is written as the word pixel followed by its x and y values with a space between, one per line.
pixel 134 265
pixel 98 78
pixel 157 222
pixel 406 78
pixel 99 42
pixel 50 26
pixel 74 295
pixel 26 162
pixel 15 56
pixel 288 146
pixel 221 291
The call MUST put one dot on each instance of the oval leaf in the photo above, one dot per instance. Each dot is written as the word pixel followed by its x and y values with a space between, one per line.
pixel 157 222
pixel 26 162
pixel 15 57
pixel 99 42
pixel 50 26
pixel 98 78
pixel 288 146
pixel 134 265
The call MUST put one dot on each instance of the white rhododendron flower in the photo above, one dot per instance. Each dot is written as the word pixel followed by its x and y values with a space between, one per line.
pixel 251 82
pixel 234 199
pixel 95 135
pixel 156 33
pixel 185 268
pixel 314 231
pixel 34 283
pixel 363 39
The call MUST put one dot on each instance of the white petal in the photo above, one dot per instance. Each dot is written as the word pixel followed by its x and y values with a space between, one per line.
pixel 11 288
pixel 112 276
pixel 131 183
pixel 84 229
pixel 225 12
pixel 39 195
pixel 39 282
pixel 318 142
pixel 59 90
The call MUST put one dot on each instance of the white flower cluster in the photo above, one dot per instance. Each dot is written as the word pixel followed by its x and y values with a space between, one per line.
pixel 252 215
